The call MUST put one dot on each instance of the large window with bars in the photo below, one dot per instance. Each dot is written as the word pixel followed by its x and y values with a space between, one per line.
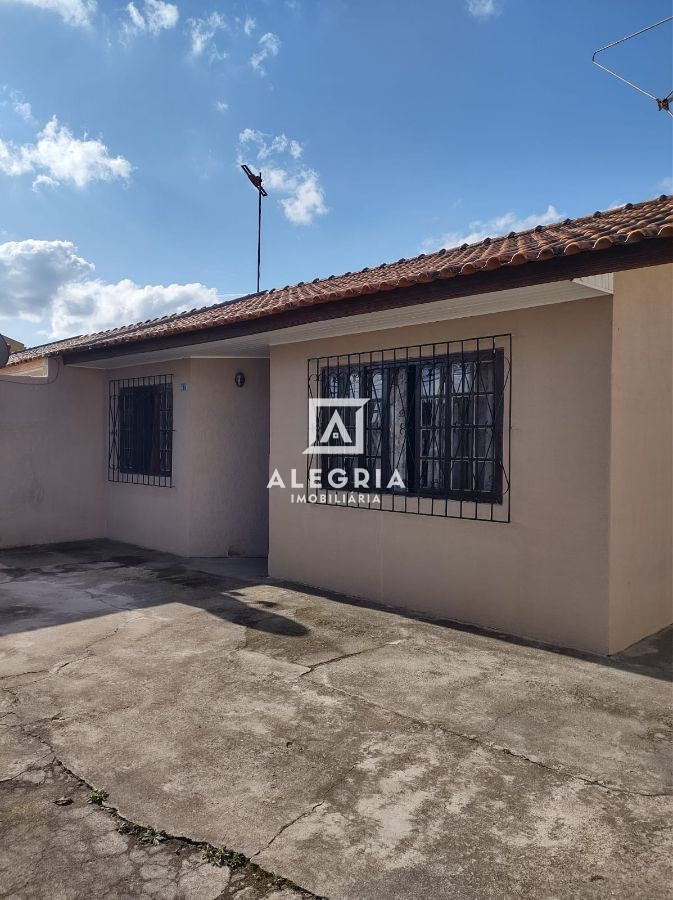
pixel 141 430
pixel 438 415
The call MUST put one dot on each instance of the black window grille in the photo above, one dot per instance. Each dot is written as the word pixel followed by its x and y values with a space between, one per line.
pixel 437 415
pixel 140 446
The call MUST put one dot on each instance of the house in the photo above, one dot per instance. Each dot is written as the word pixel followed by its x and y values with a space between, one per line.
pixel 519 389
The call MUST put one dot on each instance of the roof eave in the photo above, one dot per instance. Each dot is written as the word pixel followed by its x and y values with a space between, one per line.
pixel 649 252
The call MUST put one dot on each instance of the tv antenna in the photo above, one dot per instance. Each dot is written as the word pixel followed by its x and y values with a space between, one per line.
pixel 256 181
pixel 664 103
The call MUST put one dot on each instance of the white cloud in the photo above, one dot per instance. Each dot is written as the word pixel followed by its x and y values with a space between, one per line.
pixel 249 25
pixel 221 106
pixel 95 305
pixel 44 181
pixel 484 9
pixel 17 102
pixel 73 12
pixel 156 16
pixel 160 15
pixel 47 281
pixel 269 45
pixel 305 199
pixel 499 225
pixel 22 108
pixel 666 184
pixel 58 157
pixel 32 271
pixel 301 195
pixel 202 34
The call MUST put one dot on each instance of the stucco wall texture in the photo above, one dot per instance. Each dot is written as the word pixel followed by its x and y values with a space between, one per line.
pixel 641 455
pixel 52 438
pixel 586 560
pixel 53 461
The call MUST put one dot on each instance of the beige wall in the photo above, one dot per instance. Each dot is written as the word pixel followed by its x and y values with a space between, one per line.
pixel 230 447
pixel 53 462
pixel 545 575
pixel 151 516
pixel 51 445
pixel 217 505
pixel 30 367
pixel 641 459
pixel 584 563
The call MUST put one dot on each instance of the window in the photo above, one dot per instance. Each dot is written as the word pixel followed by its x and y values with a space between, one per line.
pixel 436 414
pixel 141 430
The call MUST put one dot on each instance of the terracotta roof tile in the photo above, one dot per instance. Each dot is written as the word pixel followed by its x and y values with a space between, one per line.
pixel 600 230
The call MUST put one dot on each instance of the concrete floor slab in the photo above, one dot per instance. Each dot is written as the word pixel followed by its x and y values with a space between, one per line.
pixel 357 752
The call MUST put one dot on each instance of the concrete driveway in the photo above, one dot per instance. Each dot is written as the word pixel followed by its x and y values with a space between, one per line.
pixel 356 752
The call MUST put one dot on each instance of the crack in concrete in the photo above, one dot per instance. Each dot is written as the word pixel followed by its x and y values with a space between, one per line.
pixel 302 815
pixel 52 759
pixel 21 674
pixel 490 745
pixel 307 812
pixel 35 764
pixel 59 666
pixel 333 659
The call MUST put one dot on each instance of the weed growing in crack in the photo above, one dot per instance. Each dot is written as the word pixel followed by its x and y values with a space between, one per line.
pixel 98 798
pixel 151 836
pixel 220 856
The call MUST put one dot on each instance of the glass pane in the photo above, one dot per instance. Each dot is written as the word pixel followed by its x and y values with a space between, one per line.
pixel 460 410
pixel 462 377
pixel 485 376
pixel 461 476
pixel 483 442
pixel 333 384
pixel 484 409
pixel 376 384
pixel 431 380
pixel 461 442
pixel 431 475
pixel 397 421
pixel 485 476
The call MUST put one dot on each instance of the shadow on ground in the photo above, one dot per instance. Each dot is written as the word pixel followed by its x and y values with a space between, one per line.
pixel 362 753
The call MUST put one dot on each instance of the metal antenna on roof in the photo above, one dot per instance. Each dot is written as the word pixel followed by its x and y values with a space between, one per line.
pixel 256 181
pixel 665 102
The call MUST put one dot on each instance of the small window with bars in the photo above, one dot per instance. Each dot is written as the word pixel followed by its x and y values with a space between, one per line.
pixel 437 415
pixel 141 430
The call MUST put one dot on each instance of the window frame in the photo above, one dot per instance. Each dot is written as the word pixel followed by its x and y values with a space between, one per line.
pixel 466 501
pixel 140 451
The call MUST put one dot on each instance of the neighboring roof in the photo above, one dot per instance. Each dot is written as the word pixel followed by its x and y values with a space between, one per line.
pixel 602 230
pixel 14 346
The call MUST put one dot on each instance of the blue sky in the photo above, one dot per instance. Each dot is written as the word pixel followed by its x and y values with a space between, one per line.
pixel 383 130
